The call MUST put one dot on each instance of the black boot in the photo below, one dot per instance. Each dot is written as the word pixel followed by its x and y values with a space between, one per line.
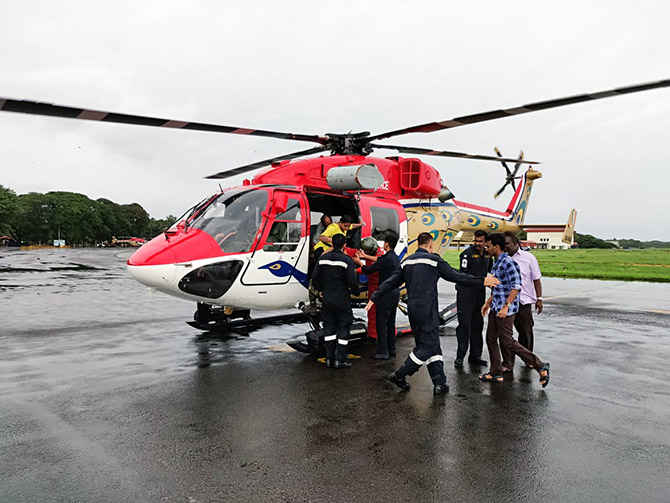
pixel 440 389
pixel 401 383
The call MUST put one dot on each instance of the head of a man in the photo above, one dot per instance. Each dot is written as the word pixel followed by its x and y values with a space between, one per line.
pixel 390 241
pixel 480 240
pixel 511 242
pixel 326 220
pixel 425 241
pixel 338 241
pixel 495 244
pixel 344 223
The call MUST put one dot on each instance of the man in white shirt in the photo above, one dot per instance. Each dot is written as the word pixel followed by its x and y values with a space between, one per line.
pixel 531 293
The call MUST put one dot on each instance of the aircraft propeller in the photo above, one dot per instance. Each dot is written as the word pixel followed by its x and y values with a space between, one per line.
pixel 511 175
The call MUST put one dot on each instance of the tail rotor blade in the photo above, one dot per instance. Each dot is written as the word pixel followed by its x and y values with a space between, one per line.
pixel 502 189
pixel 503 162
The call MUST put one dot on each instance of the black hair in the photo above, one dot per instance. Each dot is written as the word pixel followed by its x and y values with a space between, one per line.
pixel 323 217
pixel 338 241
pixel 392 239
pixel 345 219
pixel 480 233
pixel 497 239
pixel 512 236
pixel 424 238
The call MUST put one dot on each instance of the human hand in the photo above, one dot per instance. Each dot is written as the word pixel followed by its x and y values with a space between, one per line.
pixel 369 305
pixel 503 312
pixel 491 281
pixel 539 306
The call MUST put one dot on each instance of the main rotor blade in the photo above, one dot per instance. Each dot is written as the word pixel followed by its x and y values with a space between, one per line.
pixel 447 153
pixel 533 107
pixel 267 162
pixel 48 109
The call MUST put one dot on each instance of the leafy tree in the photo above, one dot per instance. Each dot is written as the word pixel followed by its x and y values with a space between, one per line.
pixel 32 221
pixel 588 241
pixel 9 206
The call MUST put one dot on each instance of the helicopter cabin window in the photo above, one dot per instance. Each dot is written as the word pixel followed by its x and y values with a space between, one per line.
pixel 383 221
pixel 233 219
pixel 286 230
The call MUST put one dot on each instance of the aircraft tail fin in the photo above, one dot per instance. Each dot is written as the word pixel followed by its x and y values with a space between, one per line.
pixel 569 232
pixel 519 203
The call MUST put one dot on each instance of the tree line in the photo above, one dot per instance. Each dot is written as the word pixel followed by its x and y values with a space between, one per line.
pixel 38 219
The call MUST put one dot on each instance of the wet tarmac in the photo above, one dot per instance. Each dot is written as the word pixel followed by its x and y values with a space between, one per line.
pixel 106 395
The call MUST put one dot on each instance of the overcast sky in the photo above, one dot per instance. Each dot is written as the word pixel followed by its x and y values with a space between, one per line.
pixel 317 67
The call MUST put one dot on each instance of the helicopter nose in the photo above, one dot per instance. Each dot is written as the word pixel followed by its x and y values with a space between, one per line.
pixel 192 244
pixel 155 263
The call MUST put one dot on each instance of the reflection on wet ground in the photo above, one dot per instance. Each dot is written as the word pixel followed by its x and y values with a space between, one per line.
pixel 107 395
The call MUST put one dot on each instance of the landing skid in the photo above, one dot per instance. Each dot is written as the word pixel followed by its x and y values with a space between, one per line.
pixel 215 319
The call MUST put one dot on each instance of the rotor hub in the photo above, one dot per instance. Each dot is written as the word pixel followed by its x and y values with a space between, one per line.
pixel 349 144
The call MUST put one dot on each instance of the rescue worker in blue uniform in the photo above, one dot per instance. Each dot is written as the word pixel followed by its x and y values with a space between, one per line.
pixel 421 272
pixel 335 276
pixel 469 302
pixel 387 304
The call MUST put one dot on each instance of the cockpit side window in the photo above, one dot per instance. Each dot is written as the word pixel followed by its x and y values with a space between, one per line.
pixel 286 230
pixel 383 221
pixel 233 219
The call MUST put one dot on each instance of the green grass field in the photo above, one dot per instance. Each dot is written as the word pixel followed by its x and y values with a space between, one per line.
pixel 622 265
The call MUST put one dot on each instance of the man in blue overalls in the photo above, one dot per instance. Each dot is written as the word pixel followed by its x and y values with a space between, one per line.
pixel 335 276
pixel 421 272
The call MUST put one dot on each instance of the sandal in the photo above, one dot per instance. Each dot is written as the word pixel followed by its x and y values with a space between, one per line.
pixel 488 377
pixel 544 379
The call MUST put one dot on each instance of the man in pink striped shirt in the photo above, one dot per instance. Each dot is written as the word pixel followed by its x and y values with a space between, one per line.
pixel 531 293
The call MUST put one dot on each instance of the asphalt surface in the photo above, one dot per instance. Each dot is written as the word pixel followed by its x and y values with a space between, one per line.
pixel 107 395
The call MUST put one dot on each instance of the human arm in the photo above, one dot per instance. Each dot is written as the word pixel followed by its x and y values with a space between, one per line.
pixel 317 278
pixel 352 279
pixel 510 298
pixel 487 306
pixel 377 266
pixel 450 274
pixel 396 279
pixel 539 304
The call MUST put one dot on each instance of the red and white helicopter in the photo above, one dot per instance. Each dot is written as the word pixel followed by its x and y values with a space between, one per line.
pixel 249 247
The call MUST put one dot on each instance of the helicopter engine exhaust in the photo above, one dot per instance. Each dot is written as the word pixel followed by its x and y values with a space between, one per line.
pixel 360 177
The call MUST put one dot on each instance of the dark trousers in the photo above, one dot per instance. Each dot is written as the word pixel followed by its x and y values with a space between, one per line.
pixel 469 302
pixel 499 339
pixel 336 325
pixel 524 325
pixel 425 323
pixel 386 311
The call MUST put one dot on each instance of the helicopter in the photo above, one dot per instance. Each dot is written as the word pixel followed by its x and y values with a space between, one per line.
pixel 249 247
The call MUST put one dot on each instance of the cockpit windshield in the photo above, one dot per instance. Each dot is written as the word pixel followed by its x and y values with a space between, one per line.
pixel 233 219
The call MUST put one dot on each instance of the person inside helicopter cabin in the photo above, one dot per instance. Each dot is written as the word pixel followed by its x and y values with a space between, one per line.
pixel 324 222
pixel 326 237
pixel 385 308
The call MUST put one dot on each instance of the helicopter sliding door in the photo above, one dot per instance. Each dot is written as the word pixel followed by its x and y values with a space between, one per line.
pixel 282 253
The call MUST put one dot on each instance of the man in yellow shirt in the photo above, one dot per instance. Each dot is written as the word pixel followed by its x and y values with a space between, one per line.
pixel 326 239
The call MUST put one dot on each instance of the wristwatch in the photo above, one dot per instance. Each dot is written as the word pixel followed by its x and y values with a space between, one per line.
pixel 508 304
pixel 540 298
